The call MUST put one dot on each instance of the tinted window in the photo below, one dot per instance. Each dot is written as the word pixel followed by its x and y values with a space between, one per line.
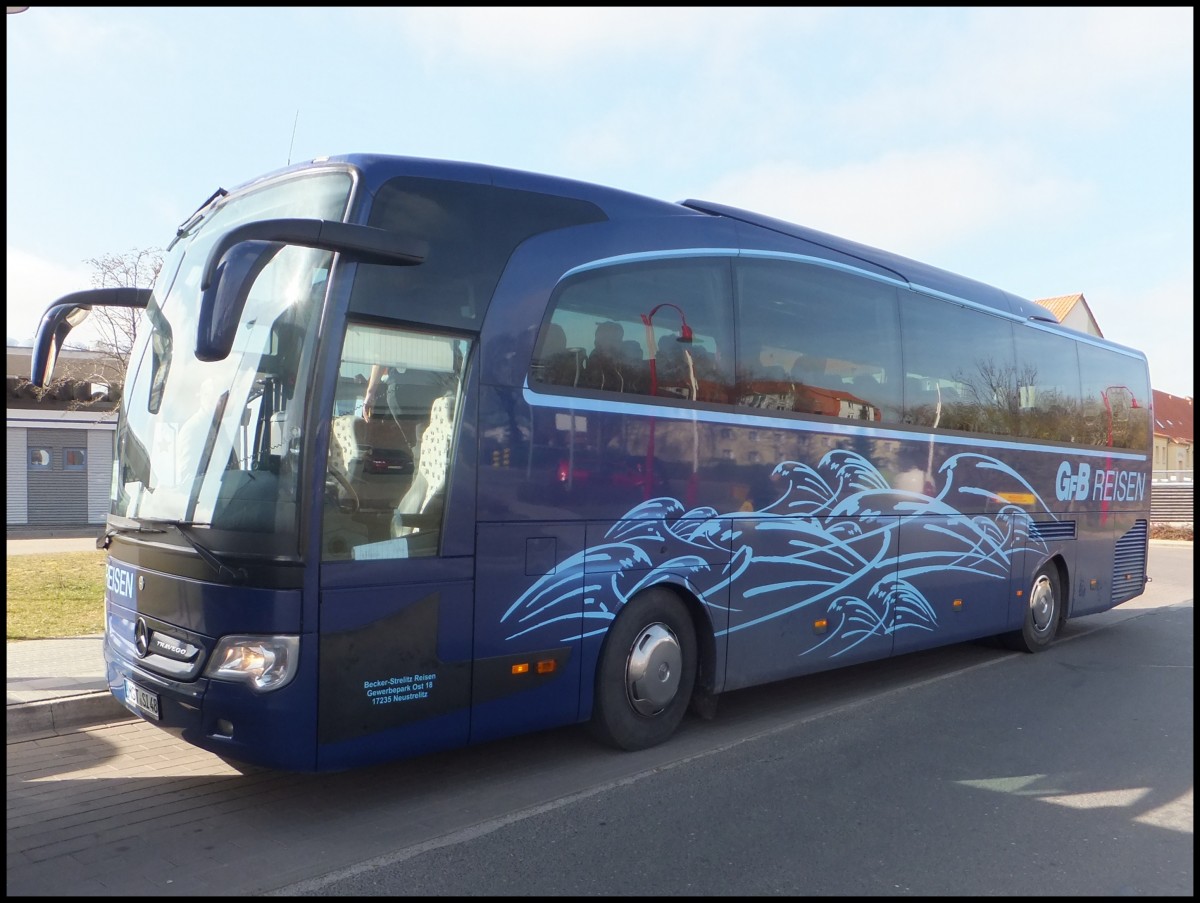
pixel 1048 386
pixel 392 434
pixel 816 340
pixel 960 371
pixel 1116 395
pixel 660 327
pixel 470 230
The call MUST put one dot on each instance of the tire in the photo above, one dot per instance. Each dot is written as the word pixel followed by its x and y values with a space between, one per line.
pixel 1043 614
pixel 646 672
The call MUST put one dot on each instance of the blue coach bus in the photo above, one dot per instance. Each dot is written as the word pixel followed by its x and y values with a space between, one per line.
pixel 414 454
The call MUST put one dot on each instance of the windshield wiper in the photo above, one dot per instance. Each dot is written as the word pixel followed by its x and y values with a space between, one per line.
pixel 153 525
pixel 188 224
pixel 236 575
pixel 117 524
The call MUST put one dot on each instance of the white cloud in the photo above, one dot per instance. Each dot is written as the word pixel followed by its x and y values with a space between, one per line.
pixel 83 36
pixel 33 283
pixel 1060 68
pixel 910 203
pixel 538 38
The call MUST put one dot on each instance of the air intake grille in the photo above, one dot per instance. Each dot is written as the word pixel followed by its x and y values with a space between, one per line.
pixel 1129 563
pixel 1057 529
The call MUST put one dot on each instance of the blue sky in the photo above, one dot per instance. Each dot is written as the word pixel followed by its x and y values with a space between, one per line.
pixel 1046 151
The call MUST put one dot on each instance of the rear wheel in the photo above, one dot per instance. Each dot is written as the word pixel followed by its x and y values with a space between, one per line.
pixel 646 672
pixel 1043 614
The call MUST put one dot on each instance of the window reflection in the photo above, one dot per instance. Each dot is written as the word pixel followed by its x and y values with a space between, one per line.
pixel 816 341
pixel 662 328
pixel 392 434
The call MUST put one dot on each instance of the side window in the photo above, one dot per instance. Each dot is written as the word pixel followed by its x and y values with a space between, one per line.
pixel 660 328
pixel 1115 392
pixel 1048 386
pixel 392 436
pixel 960 370
pixel 74 459
pixel 816 340
pixel 40 459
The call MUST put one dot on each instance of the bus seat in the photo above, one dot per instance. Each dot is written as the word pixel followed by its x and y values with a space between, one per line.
pixel 634 368
pixel 346 453
pixel 810 370
pixel 553 348
pixel 920 403
pixel 421 505
pixel 572 367
pixel 555 363
pixel 865 386
pixel 555 341
pixel 670 363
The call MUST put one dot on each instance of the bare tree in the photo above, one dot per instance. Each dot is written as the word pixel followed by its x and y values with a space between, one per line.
pixel 116 327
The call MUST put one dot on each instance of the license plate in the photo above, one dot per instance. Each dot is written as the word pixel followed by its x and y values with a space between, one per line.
pixel 142 701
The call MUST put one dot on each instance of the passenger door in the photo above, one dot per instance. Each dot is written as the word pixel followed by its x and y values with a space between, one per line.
pixel 397 543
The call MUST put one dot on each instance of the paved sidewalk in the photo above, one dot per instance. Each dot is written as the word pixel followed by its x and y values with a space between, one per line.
pixel 57 686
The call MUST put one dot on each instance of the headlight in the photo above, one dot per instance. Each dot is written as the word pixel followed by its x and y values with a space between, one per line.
pixel 264 662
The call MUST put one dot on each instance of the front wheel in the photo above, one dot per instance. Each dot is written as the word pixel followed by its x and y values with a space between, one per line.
pixel 1043 614
pixel 646 672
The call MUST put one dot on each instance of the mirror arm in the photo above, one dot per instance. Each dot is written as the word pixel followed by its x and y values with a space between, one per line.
pixel 364 243
pixel 68 312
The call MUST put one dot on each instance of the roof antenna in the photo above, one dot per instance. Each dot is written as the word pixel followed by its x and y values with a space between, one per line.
pixel 293 144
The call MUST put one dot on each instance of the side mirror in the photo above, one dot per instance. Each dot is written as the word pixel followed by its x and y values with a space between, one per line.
pixel 236 260
pixel 68 312
pixel 222 301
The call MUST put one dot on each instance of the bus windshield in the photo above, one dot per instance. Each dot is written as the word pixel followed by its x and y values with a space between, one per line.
pixel 219 443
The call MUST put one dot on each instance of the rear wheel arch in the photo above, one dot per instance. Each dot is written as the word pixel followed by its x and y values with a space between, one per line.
pixel 1044 608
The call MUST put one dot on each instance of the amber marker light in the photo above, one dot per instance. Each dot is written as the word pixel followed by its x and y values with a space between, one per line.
pixel 522 668
pixel 820 625
pixel 1017 498
pixel 547 667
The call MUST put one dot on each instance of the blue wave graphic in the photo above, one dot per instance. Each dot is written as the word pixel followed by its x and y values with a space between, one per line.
pixel 829 543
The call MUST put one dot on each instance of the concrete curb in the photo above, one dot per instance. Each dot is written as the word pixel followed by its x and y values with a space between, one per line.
pixel 55 717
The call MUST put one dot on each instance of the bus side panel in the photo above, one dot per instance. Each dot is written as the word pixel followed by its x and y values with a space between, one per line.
pixel 953 579
pixel 395 671
pixel 629 556
pixel 809 594
pixel 530 612
pixel 1093 587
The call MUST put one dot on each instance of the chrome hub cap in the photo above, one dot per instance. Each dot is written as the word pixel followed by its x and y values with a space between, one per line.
pixel 1041 604
pixel 653 670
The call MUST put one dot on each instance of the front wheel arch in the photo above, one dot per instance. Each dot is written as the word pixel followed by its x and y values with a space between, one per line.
pixel 646 671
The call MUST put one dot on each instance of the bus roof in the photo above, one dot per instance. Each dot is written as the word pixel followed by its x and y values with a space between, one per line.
pixel 912 271
pixel 377 169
